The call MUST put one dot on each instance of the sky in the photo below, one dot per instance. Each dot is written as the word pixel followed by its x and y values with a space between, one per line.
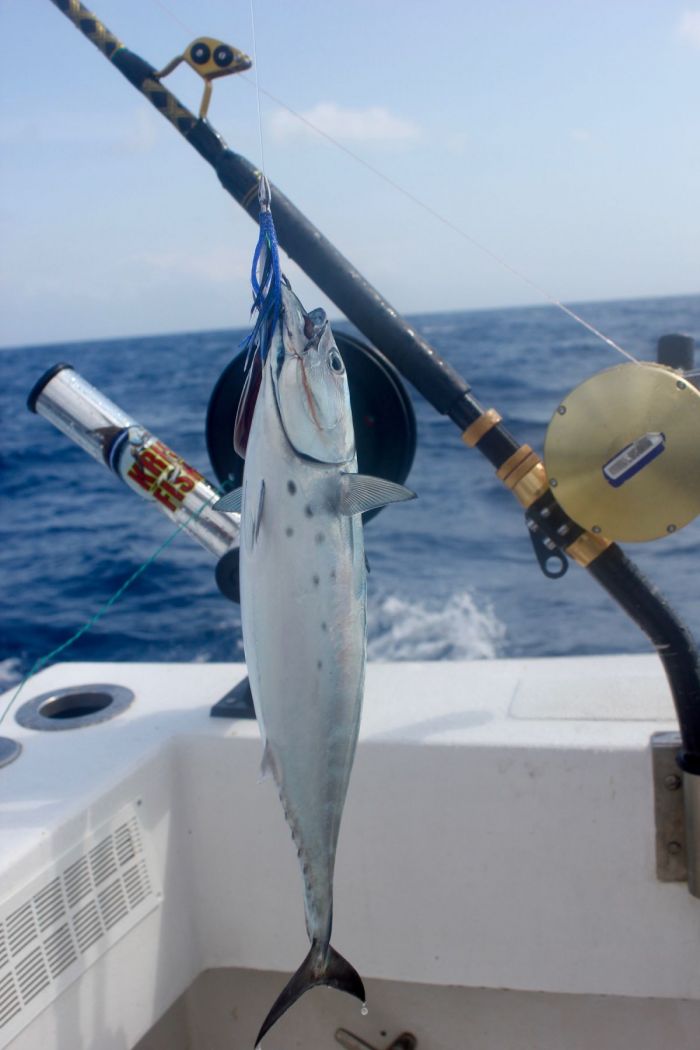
pixel 564 135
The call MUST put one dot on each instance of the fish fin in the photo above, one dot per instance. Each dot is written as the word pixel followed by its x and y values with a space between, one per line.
pixel 265 763
pixel 258 516
pixel 362 492
pixel 321 966
pixel 231 502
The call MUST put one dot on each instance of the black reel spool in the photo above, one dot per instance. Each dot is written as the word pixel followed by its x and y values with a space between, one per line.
pixel 382 414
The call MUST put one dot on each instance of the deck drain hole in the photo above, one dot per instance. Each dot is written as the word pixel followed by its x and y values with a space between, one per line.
pixel 74 707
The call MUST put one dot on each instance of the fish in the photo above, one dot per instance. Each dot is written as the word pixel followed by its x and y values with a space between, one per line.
pixel 303 604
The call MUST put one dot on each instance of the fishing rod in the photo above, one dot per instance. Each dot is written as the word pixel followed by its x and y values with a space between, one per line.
pixel 556 535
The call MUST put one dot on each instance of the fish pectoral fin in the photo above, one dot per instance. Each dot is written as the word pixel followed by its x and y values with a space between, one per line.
pixel 230 503
pixel 321 966
pixel 362 492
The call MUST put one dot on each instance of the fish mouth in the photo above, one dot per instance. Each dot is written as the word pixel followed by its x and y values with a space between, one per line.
pixel 312 402
pixel 302 332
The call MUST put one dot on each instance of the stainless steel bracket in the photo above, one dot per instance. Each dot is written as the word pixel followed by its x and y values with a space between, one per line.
pixel 669 811
pixel 691 799
pixel 677 814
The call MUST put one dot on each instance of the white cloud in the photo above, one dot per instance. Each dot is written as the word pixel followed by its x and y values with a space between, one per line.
pixel 373 124
pixel 580 135
pixel 689 28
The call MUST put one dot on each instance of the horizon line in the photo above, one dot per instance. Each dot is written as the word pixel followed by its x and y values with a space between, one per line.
pixel 342 320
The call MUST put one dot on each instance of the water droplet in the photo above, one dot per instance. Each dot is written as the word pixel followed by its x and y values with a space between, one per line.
pixel 365 1010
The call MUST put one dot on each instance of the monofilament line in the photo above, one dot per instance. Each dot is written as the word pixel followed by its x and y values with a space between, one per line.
pixel 43 660
pixel 451 225
pixel 171 14
pixel 257 86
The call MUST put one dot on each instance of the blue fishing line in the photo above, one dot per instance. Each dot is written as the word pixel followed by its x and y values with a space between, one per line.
pixel 43 660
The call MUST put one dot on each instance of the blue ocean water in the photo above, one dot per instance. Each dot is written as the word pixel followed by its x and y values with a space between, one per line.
pixel 452 574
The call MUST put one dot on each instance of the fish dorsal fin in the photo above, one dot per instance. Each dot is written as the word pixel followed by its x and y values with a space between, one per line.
pixel 230 503
pixel 361 492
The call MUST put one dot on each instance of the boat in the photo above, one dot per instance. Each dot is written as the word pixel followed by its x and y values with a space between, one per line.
pixel 512 894
pixel 533 880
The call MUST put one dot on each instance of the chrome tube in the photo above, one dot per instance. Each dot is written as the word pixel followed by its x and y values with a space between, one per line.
pixel 140 459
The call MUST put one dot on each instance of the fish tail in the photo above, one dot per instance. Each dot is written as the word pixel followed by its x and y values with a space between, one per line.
pixel 323 965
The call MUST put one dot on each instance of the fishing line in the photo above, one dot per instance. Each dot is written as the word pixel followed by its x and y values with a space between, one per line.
pixel 500 260
pixel 43 660
pixel 266 274
pixel 452 226
pixel 257 87
pixel 268 280
pixel 175 18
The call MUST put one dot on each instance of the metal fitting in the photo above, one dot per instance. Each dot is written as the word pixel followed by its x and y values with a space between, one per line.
pixel 476 430
pixel 524 474
pixel 691 803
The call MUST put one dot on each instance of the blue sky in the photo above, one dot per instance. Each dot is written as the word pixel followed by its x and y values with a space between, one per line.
pixel 564 135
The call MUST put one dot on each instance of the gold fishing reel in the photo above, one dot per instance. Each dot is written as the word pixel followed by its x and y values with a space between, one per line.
pixel 622 452
pixel 211 59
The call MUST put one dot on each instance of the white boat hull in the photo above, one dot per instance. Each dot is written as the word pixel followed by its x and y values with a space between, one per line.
pixel 497 871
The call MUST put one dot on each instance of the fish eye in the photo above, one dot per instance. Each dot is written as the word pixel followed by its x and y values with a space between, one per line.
pixel 336 362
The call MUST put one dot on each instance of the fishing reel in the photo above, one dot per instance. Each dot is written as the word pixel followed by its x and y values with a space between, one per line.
pixel 622 452
pixel 383 418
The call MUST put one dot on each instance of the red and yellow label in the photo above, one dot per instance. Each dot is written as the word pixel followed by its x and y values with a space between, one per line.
pixel 161 473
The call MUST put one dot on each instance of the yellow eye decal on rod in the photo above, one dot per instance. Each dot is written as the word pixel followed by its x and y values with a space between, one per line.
pixel 211 59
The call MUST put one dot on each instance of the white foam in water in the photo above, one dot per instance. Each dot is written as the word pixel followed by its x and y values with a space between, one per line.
pixel 402 629
pixel 10 672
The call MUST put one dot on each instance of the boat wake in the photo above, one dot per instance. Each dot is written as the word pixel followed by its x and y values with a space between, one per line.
pixel 457 629
pixel 10 672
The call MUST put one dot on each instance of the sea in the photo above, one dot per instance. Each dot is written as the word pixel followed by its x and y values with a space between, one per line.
pixel 453 575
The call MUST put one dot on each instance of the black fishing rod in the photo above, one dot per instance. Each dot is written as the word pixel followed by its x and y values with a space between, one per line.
pixel 555 535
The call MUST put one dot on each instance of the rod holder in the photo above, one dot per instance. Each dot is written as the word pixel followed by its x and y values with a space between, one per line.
pixel 143 462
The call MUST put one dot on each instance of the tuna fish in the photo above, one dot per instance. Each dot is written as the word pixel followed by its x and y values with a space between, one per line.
pixel 303 604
